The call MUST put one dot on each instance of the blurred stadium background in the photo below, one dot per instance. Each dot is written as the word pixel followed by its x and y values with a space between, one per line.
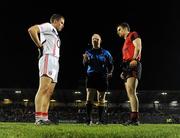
pixel 67 105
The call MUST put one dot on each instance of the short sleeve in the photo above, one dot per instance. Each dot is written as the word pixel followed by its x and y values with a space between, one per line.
pixel 45 27
pixel 134 36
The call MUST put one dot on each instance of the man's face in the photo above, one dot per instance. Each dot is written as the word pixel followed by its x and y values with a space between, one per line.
pixel 120 31
pixel 96 40
pixel 60 24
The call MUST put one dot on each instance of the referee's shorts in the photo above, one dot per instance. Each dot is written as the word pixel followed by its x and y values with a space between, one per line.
pixel 97 81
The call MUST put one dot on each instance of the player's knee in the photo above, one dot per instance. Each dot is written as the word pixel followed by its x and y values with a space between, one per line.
pixel 101 102
pixel 131 93
pixel 130 89
pixel 50 92
pixel 89 101
pixel 43 90
pixel 90 98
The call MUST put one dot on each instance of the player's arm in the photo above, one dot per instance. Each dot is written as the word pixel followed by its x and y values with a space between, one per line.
pixel 110 65
pixel 110 72
pixel 137 45
pixel 137 49
pixel 33 32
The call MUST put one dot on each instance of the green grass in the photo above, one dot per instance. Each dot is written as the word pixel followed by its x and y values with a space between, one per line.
pixel 29 130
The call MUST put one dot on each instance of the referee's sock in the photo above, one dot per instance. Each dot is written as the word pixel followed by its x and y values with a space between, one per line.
pixel 101 113
pixel 89 111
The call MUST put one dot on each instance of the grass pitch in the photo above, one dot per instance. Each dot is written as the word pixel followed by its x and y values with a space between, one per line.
pixel 29 130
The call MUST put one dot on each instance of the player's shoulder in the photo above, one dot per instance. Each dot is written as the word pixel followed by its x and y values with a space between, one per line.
pixel 134 33
pixel 46 24
pixel 45 27
pixel 88 50
pixel 105 51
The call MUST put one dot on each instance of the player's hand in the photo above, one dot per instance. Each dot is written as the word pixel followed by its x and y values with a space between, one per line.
pixel 122 76
pixel 133 63
pixel 85 57
pixel 40 52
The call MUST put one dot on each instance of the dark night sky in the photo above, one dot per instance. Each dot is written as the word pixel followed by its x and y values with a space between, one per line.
pixel 156 23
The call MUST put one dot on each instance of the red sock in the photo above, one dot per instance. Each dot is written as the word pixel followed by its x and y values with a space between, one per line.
pixel 44 116
pixel 134 116
pixel 38 116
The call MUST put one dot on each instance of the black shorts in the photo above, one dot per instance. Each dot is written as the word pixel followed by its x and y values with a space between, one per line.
pixel 97 81
pixel 131 72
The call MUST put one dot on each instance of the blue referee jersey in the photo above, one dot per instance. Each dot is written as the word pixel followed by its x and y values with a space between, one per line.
pixel 100 62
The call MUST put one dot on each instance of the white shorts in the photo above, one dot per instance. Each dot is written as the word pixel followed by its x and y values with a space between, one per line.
pixel 49 65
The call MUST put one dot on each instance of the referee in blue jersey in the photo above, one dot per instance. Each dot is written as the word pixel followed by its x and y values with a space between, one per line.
pixel 99 64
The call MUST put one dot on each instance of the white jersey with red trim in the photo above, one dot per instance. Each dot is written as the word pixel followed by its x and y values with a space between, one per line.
pixel 50 39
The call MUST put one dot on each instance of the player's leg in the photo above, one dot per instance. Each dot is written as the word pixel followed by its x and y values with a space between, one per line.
pixel 102 88
pixel 131 86
pixel 89 103
pixel 46 101
pixel 133 75
pixel 48 70
pixel 44 85
pixel 101 105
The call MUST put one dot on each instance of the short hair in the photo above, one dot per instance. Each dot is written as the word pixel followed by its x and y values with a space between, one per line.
pixel 55 17
pixel 125 25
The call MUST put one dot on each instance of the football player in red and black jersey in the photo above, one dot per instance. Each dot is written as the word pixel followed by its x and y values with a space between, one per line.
pixel 131 68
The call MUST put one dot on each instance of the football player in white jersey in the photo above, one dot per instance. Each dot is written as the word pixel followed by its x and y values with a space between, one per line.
pixel 49 43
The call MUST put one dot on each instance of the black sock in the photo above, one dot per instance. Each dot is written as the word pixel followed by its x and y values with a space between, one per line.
pixel 101 113
pixel 89 111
